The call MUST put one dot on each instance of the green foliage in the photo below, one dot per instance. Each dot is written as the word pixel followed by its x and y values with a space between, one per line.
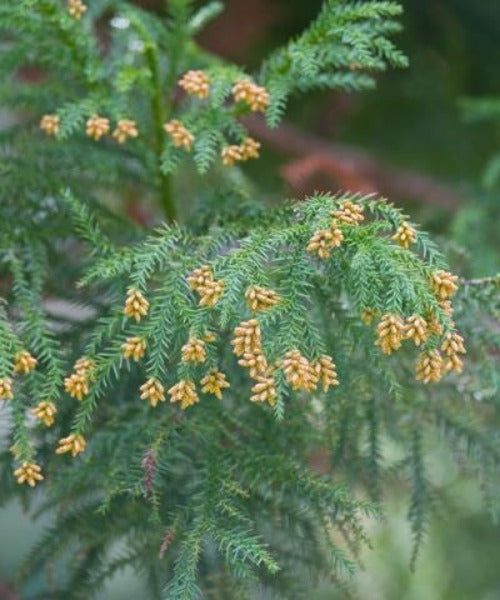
pixel 227 494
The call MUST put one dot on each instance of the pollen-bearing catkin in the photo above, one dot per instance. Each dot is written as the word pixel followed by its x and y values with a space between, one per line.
pixel 405 235
pixel 200 277
pixel 236 153
pixel 76 8
pixel 416 329
pixel 24 362
pixel 202 281
pixel 125 129
pixel 180 135
pixel 74 443
pixel 444 284
pixel 323 241
pixel 249 148
pixel 45 411
pixel 299 372
pixel 429 366
pixel 97 127
pixel 211 293
pixel 50 124
pixel 76 385
pixel 390 331
pixel 29 473
pixel 326 371
pixel 231 155
pixel 264 390
pixel 195 83
pixel 452 346
pixel 247 338
pixel 194 351
pixel 214 382
pixel 136 305
pixel 255 362
pixel 6 389
pixel 367 315
pixel 349 213
pixel 134 347
pixel 255 96
pixel 259 298
pixel 185 393
pixel 153 391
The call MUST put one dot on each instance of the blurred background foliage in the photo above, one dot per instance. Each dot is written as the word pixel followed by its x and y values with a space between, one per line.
pixel 416 138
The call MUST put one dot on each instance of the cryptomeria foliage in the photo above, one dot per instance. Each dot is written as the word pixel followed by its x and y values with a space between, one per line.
pixel 316 328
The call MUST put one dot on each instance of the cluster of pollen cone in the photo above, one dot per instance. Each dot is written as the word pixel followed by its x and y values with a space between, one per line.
pixel 195 83
pixel 437 360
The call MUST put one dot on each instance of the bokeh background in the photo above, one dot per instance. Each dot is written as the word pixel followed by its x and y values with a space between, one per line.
pixel 418 139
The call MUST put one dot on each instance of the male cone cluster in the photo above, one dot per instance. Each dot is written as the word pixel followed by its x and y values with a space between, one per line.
pixel 237 153
pixel 194 351
pixel 45 411
pixel 74 444
pixel 29 473
pixel 134 347
pixel 255 96
pixel 209 289
pixel 180 135
pixel 136 305
pixel 153 391
pixel 405 235
pixel 259 298
pixel 185 393
pixel 325 240
pixel 214 382
pixel 195 83
pixel 24 363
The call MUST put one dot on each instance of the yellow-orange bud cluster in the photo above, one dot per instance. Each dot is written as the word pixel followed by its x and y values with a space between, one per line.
pixel 24 362
pixel 452 346
pixel 416 329
pixel 236 153
pixel 181 136
pixel 405 235
pixel 255 96
pixel 264 389
pixel 325 240
pixel 429 366
pixel 134 347
pixel 367 315
pixel 444 284
pixel 136 305
pixel 390 331
pixel 153 391
pixel 125 129
pixel 247 337
pixel 209 289
pixel 214 382
pixel 299 372
pixel 349 213
pixel 259 298
pixel 195 83
pixel 74 443
pixel 45 411
pixel 326 371
pixel 85 366
pixel 76 8
pixel 29 473
pixel 194 351
pixel 50 124
pixel 77 385
pixel 97 127
pixel 247 344
pixel 185 393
